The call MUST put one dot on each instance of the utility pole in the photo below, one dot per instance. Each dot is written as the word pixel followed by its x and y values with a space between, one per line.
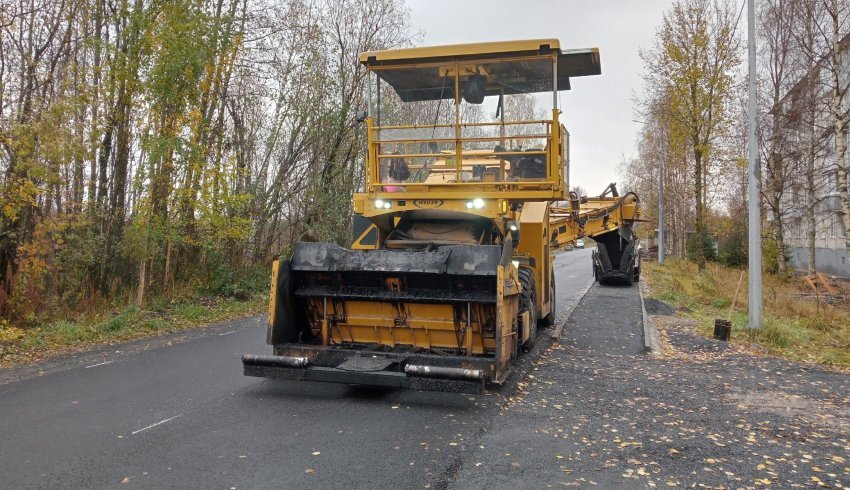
pixel 754 215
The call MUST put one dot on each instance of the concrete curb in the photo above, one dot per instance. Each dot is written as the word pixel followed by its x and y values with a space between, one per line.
pixel 556 334
pixel 650 333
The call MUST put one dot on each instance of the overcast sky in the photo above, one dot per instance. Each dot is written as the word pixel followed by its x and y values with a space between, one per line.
pixel 598 111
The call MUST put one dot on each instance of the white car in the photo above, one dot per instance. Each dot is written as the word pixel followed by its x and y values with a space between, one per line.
pixel 579 243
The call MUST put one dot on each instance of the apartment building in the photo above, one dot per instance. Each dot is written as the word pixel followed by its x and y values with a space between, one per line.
pixel 809 150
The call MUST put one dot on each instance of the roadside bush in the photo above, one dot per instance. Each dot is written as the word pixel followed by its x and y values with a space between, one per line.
pixel 733 250
pixel 238 283
pixel 770 255
pixel 708 250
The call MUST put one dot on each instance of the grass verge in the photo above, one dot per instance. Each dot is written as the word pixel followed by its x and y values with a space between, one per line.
pixel 793 327
pixel 19 345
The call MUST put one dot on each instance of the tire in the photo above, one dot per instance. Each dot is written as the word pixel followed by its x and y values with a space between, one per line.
pixel 527 303
pixel 549 319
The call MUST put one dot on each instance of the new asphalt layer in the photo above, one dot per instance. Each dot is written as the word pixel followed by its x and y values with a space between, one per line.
pixel 588 409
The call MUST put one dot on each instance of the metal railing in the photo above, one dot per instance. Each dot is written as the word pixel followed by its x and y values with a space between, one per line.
pixel 464 155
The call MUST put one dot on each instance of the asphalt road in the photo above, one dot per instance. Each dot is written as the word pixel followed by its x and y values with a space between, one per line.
pixel 176 412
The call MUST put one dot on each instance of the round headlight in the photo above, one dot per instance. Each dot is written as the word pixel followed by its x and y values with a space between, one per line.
pixel 478 203
pixel 379 203
pixel 387 205
pixel 469 204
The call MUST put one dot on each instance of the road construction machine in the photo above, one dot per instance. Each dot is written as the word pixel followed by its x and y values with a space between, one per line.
pixel 450 271
pixel 609 221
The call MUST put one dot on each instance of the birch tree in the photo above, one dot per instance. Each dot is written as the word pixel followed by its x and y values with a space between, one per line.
pixel 694 60
pixel 777 20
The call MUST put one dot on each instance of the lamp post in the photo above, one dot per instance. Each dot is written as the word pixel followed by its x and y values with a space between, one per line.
pixel 753 182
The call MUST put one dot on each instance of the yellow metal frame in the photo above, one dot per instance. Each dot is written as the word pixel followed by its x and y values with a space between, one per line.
pixel 564 222
pixel 552 188
pixel 449 51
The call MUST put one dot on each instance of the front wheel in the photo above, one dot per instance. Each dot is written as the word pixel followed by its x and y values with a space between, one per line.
pixel 549 319
pixel 527 303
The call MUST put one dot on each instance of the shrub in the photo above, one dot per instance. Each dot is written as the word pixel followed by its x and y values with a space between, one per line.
pixel 733 250
pixel 708 244
pixel 770 255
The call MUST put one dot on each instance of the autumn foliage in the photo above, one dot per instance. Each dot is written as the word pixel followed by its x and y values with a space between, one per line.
pixel 151 149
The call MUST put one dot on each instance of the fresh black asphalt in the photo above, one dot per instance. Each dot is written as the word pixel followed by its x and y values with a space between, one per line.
pixel 590 410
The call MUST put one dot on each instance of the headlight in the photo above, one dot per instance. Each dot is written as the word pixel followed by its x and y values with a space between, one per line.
pixel 478 203
pixel 381 204
pixel 515 263
pixel 513 227
pixel 469 204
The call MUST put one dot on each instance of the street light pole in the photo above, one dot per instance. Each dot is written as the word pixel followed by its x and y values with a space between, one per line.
pixel 754 214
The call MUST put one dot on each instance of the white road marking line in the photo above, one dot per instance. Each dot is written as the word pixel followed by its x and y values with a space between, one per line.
pixel 227 333
pixel 100 364
pixel 154 425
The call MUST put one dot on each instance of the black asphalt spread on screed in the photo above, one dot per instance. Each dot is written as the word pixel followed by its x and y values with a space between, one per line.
pixel 608 321
pixel 176 412
pixel 658 307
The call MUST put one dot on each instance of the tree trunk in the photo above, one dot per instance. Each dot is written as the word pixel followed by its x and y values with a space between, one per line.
pixel 140 292
pixel 167 267
pixel 840 154
pixel 810 219
pixel 698 191
pixel 839 128
pixel 777 187
pixel 779 236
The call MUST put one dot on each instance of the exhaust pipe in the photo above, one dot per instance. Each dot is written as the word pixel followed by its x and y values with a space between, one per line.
pixel 274 361
pixel 421 371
